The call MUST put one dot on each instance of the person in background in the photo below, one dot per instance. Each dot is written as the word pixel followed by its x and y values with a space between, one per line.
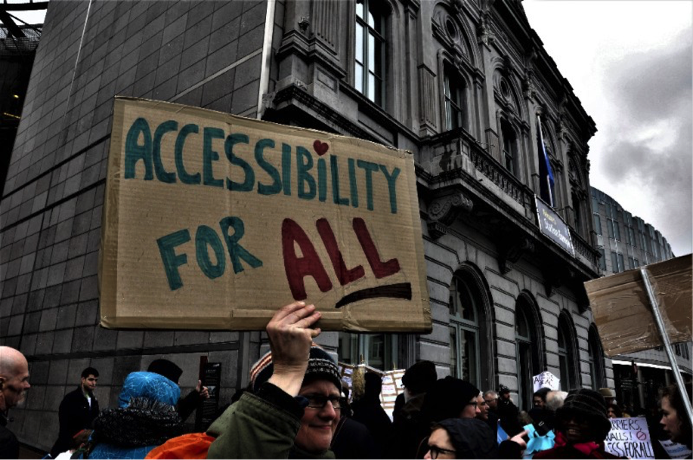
pixel 77 411
pixel 469 438
pixel 171 371
pixel 609 395
pixel 581 427
pixel 508 412
pixel 613 411
pixel 14 381
pixel 145 418
pixel 491 400
pixel 368 411
pixel 555 399
pixel 539 398
pixel 674 420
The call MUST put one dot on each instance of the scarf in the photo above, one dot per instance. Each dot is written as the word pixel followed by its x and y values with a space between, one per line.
pixel 585 447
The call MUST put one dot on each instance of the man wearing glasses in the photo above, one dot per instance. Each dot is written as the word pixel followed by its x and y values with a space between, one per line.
pixel 295 404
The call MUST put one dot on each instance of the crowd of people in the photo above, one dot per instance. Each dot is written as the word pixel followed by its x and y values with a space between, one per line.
pixel 297 406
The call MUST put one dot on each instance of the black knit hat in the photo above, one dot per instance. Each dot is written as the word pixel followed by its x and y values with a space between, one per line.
pixel 470 437
pixel 320 366
pixel 589 405
pixel 447 398
pixel 420 377
pixel 166 368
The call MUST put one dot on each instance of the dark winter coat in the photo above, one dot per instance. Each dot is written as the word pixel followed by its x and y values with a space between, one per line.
pixel 75 414
pixel 9 446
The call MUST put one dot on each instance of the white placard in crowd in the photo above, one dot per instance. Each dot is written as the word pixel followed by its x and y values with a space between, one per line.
pixel 629 437
pixel 676 450
pixel 546 380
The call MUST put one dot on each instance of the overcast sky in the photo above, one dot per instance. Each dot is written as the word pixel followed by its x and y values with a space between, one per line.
pixel 629 62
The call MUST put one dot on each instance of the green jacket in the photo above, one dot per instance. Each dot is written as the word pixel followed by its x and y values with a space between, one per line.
pixel 260 426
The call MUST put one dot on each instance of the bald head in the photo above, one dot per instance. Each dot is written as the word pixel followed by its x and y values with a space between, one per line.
pixel 14 377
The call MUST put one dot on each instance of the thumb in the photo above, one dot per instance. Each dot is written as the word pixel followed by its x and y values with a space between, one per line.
pixel 199 385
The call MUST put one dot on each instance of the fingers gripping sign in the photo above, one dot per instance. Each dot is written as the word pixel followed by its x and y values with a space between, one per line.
pixel 290 335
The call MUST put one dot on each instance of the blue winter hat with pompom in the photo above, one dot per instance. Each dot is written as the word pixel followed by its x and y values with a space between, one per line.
pixel 148 385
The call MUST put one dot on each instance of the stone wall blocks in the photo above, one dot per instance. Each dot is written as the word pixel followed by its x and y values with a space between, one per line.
pixel 57 373
pixel 70 292
pixel 63 341
pixel 44 342
pixel 89 289
pixel 87 313
pixel 83 338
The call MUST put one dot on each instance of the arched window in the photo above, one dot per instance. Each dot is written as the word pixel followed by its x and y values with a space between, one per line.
pixel 596 359
pixel 468 324
pixel 509 147
pixel 528 350
pixel 369 69
pixel 567 356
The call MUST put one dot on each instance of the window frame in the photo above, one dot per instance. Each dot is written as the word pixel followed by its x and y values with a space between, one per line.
pixel 458 326
pixel 364 31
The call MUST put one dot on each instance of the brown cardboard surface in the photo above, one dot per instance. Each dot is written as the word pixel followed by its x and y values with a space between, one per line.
pixel 240 207
pixel 622 310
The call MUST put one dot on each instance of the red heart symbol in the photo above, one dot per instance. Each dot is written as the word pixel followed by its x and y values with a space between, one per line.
pixel 320 147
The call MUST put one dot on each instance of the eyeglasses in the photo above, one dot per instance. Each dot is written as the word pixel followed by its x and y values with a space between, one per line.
pixel 489 401
pixel 436 451
pixel 472 404
pixel 320 401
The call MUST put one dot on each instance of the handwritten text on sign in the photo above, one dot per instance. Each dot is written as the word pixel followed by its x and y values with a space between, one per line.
pixel 221 214
pixel 629 437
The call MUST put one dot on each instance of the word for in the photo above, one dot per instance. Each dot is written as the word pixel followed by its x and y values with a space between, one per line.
pixel 297 267
pixel 262 176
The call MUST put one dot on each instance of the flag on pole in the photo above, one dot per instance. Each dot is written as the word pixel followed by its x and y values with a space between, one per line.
pixel 546 181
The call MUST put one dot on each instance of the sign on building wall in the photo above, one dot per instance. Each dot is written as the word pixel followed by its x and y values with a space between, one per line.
pixel 622 310
pixel 629 437
pixel 214 222
pixel 546 380
pixel 551 225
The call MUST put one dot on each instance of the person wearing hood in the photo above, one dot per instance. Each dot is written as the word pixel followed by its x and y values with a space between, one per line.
pixel 146 417
pixel 581 427
pixel 469 438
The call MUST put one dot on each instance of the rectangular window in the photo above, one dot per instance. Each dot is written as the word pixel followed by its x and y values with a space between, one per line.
pixel 597 224
pixel 631 263
pixel 621 266
pixel 614 262
pixel 369 51
pixel 637 263
pixel 610 227
pixel 453 101
pixel 631 236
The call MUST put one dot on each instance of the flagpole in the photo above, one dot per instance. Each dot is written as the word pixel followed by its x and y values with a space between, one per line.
pixel 665 341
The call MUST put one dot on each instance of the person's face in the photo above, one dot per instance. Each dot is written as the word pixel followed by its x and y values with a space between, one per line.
pixel 611 413
pixel 483 408
pixel 492 401
pixel 318 425
pixel 538 402
pixel 471 410
pixel 670 419
pixel 578 430
pixel 89 383
pixel 439 445
pixel 13 387
pixel 505 396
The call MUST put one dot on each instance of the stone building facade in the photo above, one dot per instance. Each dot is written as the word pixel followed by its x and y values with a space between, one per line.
pixel 463 84
pixel 626 242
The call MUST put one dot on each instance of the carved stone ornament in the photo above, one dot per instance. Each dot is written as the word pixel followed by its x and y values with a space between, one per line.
pixel 484 31
pixel 304 23
pixel 445 209
pixel 512 254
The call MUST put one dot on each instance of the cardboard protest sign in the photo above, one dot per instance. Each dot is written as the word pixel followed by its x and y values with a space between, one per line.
pixel 622 310
pixel 629 437
pixel 214 222
pixel 546 380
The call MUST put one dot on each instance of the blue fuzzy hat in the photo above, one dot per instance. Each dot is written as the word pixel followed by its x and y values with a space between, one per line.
pixel 148 385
